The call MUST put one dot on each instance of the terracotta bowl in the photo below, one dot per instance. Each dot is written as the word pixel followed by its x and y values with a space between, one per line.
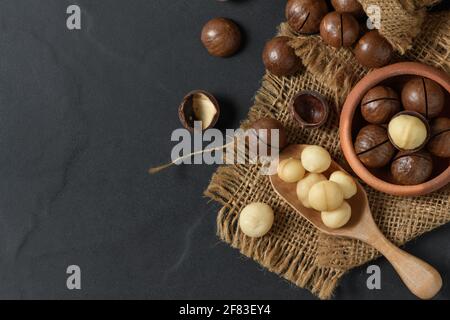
pixel 351 122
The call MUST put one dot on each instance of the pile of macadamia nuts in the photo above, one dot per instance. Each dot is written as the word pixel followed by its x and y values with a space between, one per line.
pixel 314 190
pixel 344 27
pixel 406 140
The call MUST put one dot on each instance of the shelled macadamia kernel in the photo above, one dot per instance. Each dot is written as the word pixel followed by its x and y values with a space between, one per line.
pixel 304 185
pixel 290 170
pixel 337 218
pixel 315 159
pixel 346 183
pixel 256 219
pixel 325 196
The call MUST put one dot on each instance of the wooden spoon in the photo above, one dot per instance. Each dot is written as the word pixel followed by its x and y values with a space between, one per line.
pixel 421 278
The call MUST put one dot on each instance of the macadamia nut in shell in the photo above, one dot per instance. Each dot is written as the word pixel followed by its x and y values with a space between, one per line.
pixel 304 185
pixel 407 132
pixel 315 159
pixel 290 170
pixel 337 218
pixel 256 219
pixel 346 183
pixel 325 196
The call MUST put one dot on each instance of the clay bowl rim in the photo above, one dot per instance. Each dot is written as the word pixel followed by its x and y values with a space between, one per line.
pixel 351 104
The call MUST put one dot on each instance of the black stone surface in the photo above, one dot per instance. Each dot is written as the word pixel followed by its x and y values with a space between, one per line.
pixel 83 114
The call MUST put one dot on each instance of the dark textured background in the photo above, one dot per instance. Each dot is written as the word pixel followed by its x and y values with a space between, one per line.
pixel 83 114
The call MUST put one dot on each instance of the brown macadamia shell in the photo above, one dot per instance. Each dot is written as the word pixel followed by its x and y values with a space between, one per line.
pixel 439 144
pixel 339 29
pixel 348 6
pixel 380 104
pixel 304 16
pixel 412 168
pixel 373 50
pixel 373 147
pixel 199 105
pixel 221 37
pixel 279 58
pixel 424 96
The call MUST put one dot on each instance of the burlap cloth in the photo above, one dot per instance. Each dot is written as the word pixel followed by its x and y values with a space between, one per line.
pixel 294 249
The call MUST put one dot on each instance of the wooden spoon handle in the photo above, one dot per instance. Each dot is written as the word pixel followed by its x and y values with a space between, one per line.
pixel 422 279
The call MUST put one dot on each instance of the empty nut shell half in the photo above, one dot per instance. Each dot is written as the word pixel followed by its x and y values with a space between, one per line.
pixel 309 109
pixel 201 106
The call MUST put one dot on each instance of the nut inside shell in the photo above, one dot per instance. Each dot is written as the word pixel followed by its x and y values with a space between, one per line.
pixel 413 136
pixel 201 106
pixel 309 109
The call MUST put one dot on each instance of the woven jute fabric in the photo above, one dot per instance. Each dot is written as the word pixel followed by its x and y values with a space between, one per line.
pixel 401 20
pixel 294 249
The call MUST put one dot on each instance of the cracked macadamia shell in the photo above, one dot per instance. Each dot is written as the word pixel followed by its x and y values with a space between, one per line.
pixel 424 96
pixel 290 170
pixel 304 16
pixel 373 147
pixel 346 183
pixel 201 106
pixel 256 219
pixel 339 29
pixel 304 185
pixel 315 159
pixel 325 196
pixel 380 104
pixel 338 218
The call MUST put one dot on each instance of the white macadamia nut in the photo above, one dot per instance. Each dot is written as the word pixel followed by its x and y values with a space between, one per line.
pixel 325 196
pixel 346 182
pixel 407 132
pixel 337 218
pixel 304 185
pixel 290 170
pixel 256 219
pixel 315 159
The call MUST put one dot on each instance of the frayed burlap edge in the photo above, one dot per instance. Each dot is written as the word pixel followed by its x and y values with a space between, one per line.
pixel 401 20
pixel 301 265
pixel 291 263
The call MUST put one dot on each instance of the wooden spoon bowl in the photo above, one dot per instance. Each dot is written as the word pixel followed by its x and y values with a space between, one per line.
pixel 421 278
